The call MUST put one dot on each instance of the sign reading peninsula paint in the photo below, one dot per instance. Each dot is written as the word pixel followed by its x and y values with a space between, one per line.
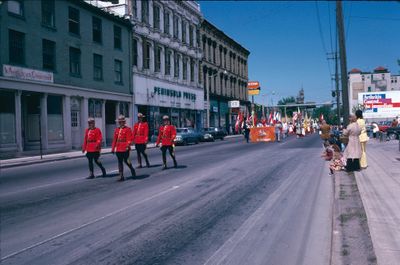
pixel 27 74
pixel 174 93
pixel 385 104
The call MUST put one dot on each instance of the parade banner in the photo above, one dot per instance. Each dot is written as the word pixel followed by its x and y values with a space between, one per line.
pixel 262 134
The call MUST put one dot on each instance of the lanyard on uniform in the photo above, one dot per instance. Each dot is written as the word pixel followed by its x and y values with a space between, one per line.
pixel 119 133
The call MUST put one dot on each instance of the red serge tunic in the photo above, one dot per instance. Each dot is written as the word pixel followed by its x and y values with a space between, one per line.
pixel 92 140
pixel 122 139
pixel 166 135
pixel 140 133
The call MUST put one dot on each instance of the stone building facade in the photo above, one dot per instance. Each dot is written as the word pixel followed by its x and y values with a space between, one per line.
pixel 223 74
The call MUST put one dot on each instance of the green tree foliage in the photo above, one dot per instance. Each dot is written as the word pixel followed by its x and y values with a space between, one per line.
pixel 287 101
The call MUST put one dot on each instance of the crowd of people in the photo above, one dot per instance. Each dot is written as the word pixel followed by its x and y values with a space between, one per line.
pixel 346 151
pixel 123 139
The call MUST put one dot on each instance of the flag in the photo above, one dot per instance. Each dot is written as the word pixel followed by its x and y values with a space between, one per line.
pixel 270 118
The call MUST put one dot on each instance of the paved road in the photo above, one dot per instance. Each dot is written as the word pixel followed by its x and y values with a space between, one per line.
pixel 228 203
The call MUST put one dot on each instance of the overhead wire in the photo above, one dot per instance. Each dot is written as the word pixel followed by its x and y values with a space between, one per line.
pixel 322 37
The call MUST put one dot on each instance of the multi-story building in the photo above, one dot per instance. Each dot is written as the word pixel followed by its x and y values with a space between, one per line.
pixel 62 61
pixel 224 75
pixel 166 59
pixel 379 80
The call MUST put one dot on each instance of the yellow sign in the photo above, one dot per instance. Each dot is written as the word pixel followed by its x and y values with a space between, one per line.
pixel 253 92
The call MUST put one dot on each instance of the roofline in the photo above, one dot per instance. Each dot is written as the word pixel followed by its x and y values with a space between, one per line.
pixel 210 25
pixel 102 12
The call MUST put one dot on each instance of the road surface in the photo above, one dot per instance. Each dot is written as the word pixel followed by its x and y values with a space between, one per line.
pixel 228 203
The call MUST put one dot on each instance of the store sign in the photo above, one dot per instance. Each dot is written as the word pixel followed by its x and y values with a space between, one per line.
pixel 380 104
pixel 234 104
pixel 253 88
pixel 174 93
pixel 27 74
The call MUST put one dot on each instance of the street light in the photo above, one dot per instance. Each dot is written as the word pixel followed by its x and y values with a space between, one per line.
pixel 208 96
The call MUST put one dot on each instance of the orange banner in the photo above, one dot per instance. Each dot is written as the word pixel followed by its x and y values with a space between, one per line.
pixel 262 134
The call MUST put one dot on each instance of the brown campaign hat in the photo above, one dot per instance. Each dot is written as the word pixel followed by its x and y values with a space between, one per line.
pixel 90 120
pixel 121 118
pixel 165 117
pixel 140 115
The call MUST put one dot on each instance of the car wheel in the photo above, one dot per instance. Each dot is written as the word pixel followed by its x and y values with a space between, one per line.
pixel 392 136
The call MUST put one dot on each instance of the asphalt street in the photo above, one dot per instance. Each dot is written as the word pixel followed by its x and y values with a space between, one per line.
pixel 228 202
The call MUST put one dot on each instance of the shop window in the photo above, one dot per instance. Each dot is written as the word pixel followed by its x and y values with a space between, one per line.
pixel 124 109
pixel 48 13
pixel 55 124
pixel 7 118
pixel 95 108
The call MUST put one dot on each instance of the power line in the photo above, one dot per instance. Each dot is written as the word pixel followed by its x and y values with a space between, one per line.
pixel 348 21
pixel 330 25
pixel 322 36
pixel 377 18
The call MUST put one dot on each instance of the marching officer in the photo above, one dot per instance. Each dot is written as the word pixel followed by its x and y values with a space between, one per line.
pixel 121 146
pixel 166 136
pixel 92 147
pixel 141 138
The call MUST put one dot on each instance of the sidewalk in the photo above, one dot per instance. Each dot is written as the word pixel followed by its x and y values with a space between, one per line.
pixel 29 160
pixel 379 187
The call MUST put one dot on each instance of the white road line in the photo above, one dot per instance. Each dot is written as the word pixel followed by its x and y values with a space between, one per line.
pixel 46 185
pixel 89 223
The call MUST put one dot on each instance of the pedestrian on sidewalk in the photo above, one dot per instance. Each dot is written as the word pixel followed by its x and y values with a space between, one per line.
pixel 325 131
pixel 121 146
pixel 246 129
pixel 140 139
pixel 92 147
pixel 363 139
pixel 352 153
pixel 166 136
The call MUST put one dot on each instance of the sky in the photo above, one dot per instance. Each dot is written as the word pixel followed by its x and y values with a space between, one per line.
pixel 288 47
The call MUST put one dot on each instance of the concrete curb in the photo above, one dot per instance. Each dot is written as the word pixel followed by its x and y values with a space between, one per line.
pixel 25 161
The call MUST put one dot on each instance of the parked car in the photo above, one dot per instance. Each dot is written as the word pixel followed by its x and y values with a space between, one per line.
pixel 213 133
pixel 393 133
pixel 384 125
pixel 186 136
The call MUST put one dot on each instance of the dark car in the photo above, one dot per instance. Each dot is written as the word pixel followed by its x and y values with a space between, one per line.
pixel 186 136
pixel 384 125
pixel 393 133
pixel 213 133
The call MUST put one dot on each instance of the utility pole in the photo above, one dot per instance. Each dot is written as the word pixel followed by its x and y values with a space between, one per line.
pixel 343 62
pixel 336 78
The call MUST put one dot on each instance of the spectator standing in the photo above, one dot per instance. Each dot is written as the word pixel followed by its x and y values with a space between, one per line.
pixel 363 138
pixel 325 131
pixel 352 153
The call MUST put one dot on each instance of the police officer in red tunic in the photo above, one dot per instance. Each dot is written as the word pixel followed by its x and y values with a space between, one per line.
pixel 92 147
pixel 141 138
pixel 166 137
pixel 121 146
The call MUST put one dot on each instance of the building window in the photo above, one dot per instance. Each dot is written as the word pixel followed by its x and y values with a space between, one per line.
pixel 97 67
pixel 118 71
pixel 96 29
pixel 74 61
pixel 168 62
pixel 134 8
pixel 191 70
pixel 145 11
pixel 73 20
pixel 157 58
pixel 156 16
pixel 49 54
pixel 146 55
pixel 15 7
pixel 183 31
pixel 176 64
pixel 48 13
pixel 198 37
pixel 175 26
pixel 135 52
pixel 16 44
pixel 95 108
pixel 117 37
pixel 184 68
pixel 191 35
pixel 166 22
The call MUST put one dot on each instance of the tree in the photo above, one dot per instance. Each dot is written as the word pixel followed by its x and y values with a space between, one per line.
pixel 328 113
pixel 287 101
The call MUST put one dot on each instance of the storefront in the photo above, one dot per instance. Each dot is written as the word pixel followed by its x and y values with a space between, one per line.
pixel 156 98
